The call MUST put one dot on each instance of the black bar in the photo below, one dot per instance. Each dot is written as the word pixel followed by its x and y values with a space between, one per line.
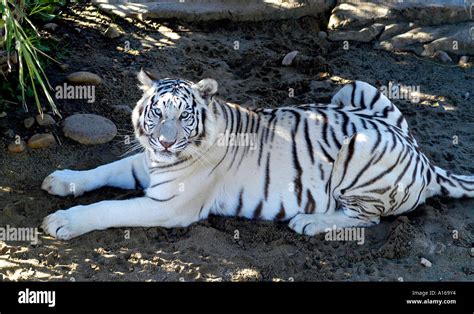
pixel 262 297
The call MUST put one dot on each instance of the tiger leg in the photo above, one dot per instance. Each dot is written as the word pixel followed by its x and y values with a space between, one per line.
pixel 355 201
pixel 135 212
pixel 311 224
pixel 126 173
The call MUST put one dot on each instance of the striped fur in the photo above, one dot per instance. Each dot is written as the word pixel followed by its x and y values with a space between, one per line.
pixel 346 163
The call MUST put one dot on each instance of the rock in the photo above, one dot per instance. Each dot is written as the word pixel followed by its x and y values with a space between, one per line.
pixel 89 129
pixel 17 146
pixel 456 39
pixel 249 10
pixel 289 57
pixel 472 252
pixel 46 120
pixel 42 140
pixel 3 114
pixel 78 30
pixel 50 26
pixel 322 35
pixel 350 14
pixel 425 262
pixel 393 30
pixel 113 32
pixel 442 56
pixel 365 35
pixel 123 108
pixel 464 62
pixel 425 41
pixel 28 122
pixel 84 78
pixel 64 67
pixel 439 25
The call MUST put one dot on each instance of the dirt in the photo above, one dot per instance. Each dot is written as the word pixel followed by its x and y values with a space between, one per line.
pixel 223 248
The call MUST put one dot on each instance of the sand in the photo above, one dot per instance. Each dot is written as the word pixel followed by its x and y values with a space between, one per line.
pixel 223 248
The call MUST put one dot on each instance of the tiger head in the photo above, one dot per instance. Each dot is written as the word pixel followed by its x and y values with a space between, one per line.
pixel 171 117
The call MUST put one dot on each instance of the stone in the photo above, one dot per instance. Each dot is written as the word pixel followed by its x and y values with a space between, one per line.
pixel 89 129
pixel 50 26
pixel 41 140
pixel 456 39
pixel 113 32
pixel 434 25
pixel 122 108
pixel 393 30
pixel 425 262
pixel 350 14
pixel 28 122
pixel 289 57
pixel 464 62
pixel 64 67
pixel 425 41
pixel 322 35
pixel 234 10
pixel 366 34
pixel 45 120
pixel 442 56
pixel 84 78
pixel 17 146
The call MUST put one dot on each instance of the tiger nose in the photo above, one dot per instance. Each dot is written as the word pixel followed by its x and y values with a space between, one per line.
pixel 166 144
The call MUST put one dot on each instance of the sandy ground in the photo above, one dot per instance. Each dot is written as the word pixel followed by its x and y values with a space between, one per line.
pixel 252 76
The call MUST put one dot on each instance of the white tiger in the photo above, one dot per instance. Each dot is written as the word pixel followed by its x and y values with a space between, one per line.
pixel 343 164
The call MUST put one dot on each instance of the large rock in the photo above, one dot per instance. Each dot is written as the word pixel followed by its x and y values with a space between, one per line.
pixel 89 129
pixel 366 34
pixel 453 38
pixel 423 27
pixel 201 10
pixel 349 14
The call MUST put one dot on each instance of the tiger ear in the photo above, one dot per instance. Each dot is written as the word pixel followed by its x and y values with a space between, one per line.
pixel 146 79
pixel 206 88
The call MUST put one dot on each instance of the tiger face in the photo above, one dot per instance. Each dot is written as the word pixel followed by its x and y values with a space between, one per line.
pixel 170 118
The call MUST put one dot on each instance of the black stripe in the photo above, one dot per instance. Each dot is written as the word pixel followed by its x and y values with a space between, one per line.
pixel 296 163
pixel 267 177
pixel 311 204
pixel 308 141
pixel 161 200
pixel 160 183
pixel 135 178
pixel 353 84
pixel 281 214
pixel 375 99
pixel 326 154
pixel 258 210
pixel 362 99
pixel 238 209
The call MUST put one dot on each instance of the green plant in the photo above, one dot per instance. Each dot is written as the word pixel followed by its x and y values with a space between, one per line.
pixel 22 37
